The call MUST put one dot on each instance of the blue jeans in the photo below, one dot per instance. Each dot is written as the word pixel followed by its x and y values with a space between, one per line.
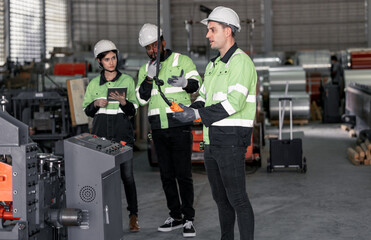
pixel 225 166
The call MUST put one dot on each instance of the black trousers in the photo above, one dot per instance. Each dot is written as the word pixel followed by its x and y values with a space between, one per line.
pixel 127 177
pixel 174 149
pixel 225 167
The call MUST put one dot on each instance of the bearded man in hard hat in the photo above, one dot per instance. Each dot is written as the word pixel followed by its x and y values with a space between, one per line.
pixel 111 114
pixel 172 139
pixel 227 108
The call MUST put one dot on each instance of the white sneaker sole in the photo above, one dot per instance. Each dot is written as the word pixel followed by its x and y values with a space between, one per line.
pixel 189 234
pixel 169 229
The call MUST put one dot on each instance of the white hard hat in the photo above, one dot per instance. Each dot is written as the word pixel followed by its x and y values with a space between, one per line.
pixel 223 15
pixel 148 34
pixel 103 46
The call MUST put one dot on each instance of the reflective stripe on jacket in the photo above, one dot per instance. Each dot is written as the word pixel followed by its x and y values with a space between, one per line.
pixel 113 121
pixel 160 115
pixel 229 96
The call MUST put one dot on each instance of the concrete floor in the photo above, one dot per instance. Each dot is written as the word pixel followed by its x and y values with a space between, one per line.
pixel 330 201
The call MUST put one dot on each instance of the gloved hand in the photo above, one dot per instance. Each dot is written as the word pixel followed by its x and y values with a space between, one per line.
pixel 178 81
pixel 152 69
pixel 187 115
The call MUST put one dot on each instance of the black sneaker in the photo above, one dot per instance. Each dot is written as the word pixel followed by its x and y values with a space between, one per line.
pixel 170 224
pixel 188 229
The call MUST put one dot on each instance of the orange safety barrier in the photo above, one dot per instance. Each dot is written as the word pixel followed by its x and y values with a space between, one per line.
pixel 6 182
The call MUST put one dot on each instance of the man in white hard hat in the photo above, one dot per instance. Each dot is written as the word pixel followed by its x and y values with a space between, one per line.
pixel 227 108
pixel 172 139
pixel 111 114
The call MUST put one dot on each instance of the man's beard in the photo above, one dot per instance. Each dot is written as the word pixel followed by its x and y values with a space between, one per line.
pixel 154 58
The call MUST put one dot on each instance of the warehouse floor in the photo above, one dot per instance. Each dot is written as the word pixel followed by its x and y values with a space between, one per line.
pixel 330 201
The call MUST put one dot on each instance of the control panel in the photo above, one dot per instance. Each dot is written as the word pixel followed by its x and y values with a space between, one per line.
pixel 99 144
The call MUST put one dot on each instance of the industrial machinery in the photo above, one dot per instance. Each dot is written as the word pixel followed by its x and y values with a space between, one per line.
pixel 93 183
pixel 32 200
pixel 331 103
pixel 44 113
pixel 37 187
pixel 358 106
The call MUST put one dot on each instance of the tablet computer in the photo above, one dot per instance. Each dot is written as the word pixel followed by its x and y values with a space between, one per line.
pixel 120 91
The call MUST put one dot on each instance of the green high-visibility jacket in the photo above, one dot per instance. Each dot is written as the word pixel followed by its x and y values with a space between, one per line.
pixel 113 121
pixel 228 99
pixel 160 115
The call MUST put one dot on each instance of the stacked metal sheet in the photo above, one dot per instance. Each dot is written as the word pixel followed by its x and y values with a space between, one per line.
pixel 361 76
pixel 314 59
pixel 358 103
pixel 295 77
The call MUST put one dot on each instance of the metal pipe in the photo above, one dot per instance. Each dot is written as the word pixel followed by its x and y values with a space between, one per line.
pixel 3 101
pixel 65 217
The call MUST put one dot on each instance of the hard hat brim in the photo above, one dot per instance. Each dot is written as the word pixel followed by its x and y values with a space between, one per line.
pixel 207 20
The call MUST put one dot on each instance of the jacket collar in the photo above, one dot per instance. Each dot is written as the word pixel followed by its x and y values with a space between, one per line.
pixel 103 79
pixel 228 54
pixel 168 53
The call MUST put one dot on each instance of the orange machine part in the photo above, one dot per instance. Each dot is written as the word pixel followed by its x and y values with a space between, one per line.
pixel 7 215
pixel 197 139
pixel 176 108
pixel 6 182
pixel 249 152
pixel 70 69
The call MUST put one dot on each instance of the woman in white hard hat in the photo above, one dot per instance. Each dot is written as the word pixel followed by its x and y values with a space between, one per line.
pixel 112 114
pixel 227 108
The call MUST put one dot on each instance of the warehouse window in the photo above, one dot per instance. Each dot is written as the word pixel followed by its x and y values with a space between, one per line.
pixel 55 25
pixel 26 30
pixel 31 35
pixel 117 20
pixel 319 24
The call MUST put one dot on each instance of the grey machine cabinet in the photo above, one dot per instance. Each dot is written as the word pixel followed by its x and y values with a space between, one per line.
pixel 93 184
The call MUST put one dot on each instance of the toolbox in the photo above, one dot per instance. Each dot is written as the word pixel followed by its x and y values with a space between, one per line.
pixel 286 153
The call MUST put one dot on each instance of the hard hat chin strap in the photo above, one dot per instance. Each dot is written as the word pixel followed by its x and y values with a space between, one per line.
pixel 110 70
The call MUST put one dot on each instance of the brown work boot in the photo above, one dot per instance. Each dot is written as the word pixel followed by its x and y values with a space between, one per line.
pixel 133 224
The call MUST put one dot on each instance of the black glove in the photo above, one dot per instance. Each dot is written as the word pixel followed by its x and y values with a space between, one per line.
pixel 187 115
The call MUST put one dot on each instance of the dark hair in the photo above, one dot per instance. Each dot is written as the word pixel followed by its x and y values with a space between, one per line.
pixel 103 54
pixel 233 28
pixel 334 58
